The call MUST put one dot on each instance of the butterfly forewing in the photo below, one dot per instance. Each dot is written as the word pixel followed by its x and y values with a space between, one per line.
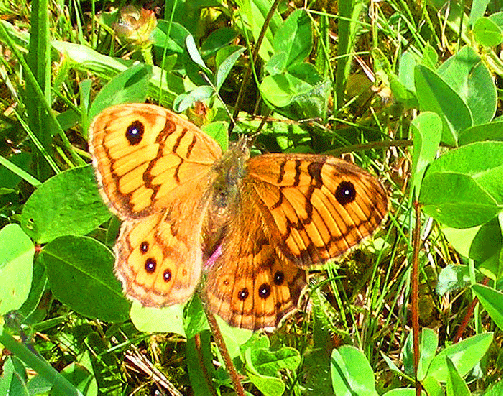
pixel 143 153
pixel 315 207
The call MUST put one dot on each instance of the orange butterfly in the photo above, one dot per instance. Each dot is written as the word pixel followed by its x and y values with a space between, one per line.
pixel 260 221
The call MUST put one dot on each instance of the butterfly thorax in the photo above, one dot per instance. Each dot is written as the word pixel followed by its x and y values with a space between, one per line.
pixel 224 199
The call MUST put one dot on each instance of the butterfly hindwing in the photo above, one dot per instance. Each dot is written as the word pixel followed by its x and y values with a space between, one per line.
pixel 251 285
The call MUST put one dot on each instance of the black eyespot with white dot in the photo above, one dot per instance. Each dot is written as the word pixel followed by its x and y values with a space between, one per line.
pixel 345 193
pixel 150 265
pixel 167 275
pixel 243 294
pixel 134 132
pixel 264 291
pixel 279 278
pixel 144 247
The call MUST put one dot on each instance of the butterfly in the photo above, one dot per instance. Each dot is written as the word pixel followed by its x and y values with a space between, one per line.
pixel 252 225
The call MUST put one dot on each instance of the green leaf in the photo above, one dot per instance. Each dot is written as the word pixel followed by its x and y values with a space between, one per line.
pixel 158 320
pixel 479 133
pixel 83 380
pixel 66 204
pixel 494 389
pixel 38 95
pixel 316 372
pixel 267 362
pixel 426 129
pixel 263 367
pixel 478 8
pixel 487 32
pixel 195 320
pixel 161 82
pixel 428 349
pixel 80 273
pixel 408 63
pixel 225 65
pixel 16 267
pixel 130 86
pixel 197 374
pixel 467 75
pixel 492 301
pixel 348 26
pixel 479 243
pixel 462 189
pixel 453 277
pixel 465 355
pixel 429 56
pixel 402 392
pixel 234 337
pixel 198 94
pixel 253 13
pixel 217 41
pixel 455 385
pixel 351 372
pixel 13 379
pixel 218 131
pixel 298 94
pixel 31 308
pixel 294 39
pixel 38 385
pixel 401 93
pixel 433 387
pixel 496 17
pixel 268 386
pixel 10 177
pixel 437 96
pixel 460 202
pixel 196 56
pixel 281 89
pixel 408 355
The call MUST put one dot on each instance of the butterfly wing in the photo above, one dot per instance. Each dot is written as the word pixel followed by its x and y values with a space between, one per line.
pixel 315 207
pixel 158 257
pixel 153 168
pixel 143 153
pixel 251 285
pixel 294 211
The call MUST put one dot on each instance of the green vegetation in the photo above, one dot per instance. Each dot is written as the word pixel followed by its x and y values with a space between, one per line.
pixel 411 88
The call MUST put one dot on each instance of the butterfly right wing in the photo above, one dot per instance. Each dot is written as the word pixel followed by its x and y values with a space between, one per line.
pixel 315 207
pixel 293 211
pixel 251 284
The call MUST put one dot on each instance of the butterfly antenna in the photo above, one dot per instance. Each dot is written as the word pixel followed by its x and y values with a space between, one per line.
pixel 215 90
pixel 245 140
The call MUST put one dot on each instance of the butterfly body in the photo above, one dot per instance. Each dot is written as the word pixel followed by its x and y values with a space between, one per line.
pixel 259 221
pixel 223 196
